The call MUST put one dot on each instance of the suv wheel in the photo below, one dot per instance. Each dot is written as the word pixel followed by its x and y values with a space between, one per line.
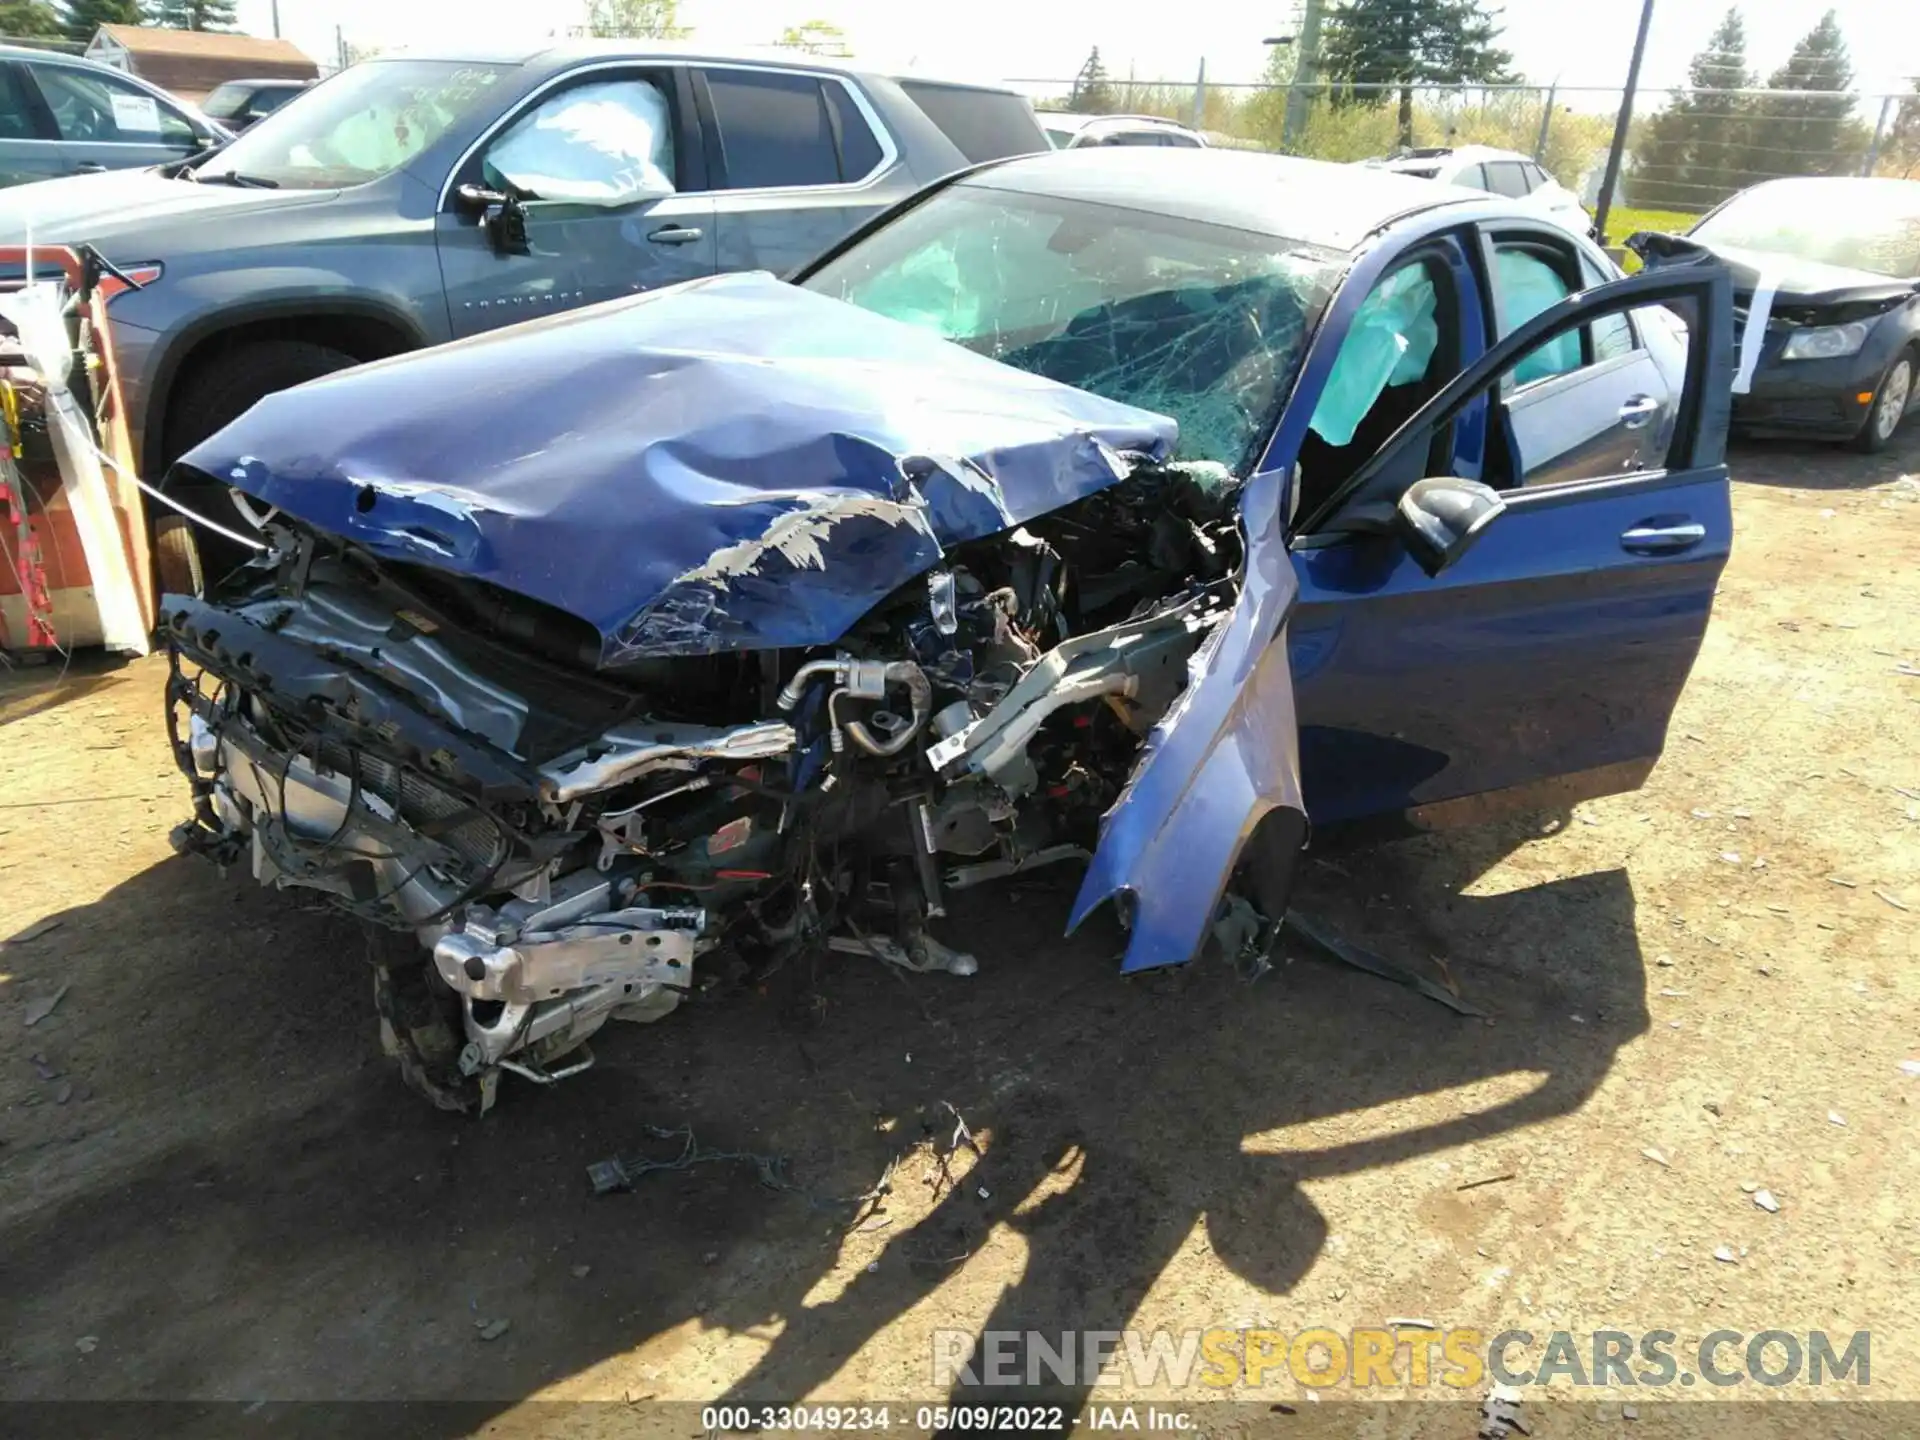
pixel 208 400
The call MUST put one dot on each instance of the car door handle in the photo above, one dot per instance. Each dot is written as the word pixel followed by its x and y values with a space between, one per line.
pixel 89 167
pixel 1661 537
pixel 675 235
pixel 1638 411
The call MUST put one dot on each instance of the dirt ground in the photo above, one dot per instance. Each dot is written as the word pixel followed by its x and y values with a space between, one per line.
pixel 211 1187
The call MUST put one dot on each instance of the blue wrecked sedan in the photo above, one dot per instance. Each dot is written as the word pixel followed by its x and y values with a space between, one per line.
pixel 1119 509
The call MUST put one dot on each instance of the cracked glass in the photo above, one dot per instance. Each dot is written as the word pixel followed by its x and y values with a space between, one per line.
pixel 1204 323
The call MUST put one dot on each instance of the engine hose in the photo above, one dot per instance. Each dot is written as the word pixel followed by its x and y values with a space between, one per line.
pixel 919 689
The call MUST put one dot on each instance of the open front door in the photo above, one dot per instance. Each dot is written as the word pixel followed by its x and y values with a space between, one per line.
pixel 1542 664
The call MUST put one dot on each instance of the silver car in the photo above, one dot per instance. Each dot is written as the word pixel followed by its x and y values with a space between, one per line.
pixel 61 115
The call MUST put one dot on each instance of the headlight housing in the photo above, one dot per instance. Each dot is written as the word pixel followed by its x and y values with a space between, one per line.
pixel 1826 342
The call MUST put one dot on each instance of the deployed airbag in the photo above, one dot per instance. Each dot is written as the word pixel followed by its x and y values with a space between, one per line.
pixel 1391 342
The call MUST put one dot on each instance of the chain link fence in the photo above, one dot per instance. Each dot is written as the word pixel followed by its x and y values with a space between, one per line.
pixel 1687 149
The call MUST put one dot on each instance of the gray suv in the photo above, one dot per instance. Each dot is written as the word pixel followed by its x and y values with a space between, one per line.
pixel 418 198
pixel 61 115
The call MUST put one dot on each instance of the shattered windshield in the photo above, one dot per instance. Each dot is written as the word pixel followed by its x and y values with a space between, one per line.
pixel 363 123
pixel 1871 225
pixel 1200 322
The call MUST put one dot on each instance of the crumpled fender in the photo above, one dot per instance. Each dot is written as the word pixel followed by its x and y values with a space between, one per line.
pixel 1223 758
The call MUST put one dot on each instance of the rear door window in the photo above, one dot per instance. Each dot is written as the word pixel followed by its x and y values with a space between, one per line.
pixel 776 129
pixel 1507 177
pixel 1527 283
pixel 982 124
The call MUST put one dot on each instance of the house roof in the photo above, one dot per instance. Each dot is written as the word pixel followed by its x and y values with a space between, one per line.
pixel 143 40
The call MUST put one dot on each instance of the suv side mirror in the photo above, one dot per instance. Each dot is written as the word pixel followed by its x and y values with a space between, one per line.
pixel 1440 519
pixel 502 216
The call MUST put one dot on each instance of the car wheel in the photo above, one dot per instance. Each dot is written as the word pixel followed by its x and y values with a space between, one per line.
pixel 1890 403
pixel 208 400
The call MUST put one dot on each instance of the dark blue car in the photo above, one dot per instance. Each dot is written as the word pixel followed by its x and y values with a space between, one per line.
pixel 1131 509
pixel 1826 276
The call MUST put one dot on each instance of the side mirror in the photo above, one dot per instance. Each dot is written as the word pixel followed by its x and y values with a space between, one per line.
pixel 1440 519
pixel 501 216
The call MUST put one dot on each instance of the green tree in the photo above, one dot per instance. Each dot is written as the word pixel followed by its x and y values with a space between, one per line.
pixel 816 37
pixel 1689 156
pixel 1404 43
pixel 194 14
pixel 29 20
pixel 636 20
pixel 84 17
pixel 1817 134
pixel 1264 117
pixel 1092 90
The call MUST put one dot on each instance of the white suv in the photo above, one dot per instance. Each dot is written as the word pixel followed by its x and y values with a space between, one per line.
pixel 1503 172
pixel 1074 132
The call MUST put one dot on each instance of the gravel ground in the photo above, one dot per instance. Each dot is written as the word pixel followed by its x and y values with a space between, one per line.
pixel 212 1188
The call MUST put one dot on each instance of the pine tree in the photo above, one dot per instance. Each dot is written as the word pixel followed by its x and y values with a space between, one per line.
pixel 194 14
pixel 28 20
pixel 1808 134
pixel 1092 91
pixel 84 17
pixel 1404 43
pixel 1690 154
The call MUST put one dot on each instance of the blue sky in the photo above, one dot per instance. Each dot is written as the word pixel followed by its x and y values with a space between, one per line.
pixel 1583 43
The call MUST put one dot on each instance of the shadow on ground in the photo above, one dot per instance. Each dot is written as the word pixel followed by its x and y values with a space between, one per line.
pixel 302 1228
pixel 1821 464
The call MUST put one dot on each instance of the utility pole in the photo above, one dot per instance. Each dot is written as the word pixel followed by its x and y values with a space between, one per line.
pixel 276 19
pixel 1200 95
pixel 1546 120
pixel 1879 134
pixel 1612 176
pixel 1306 71
pixel 340 44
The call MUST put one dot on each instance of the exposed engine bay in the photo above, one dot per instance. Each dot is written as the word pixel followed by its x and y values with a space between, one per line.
pixel 574 844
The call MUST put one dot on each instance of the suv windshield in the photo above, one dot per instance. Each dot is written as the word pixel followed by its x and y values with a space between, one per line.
pixel 226 101
pixel 361 124
pixel 1201 322
pixel 1871 225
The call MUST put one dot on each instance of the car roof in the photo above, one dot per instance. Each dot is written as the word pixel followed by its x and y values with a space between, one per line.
pixel 1440 154
pixel 1075 120
pixel 560 55
pixel 55 57
pixel 1316 201
pixel 267 83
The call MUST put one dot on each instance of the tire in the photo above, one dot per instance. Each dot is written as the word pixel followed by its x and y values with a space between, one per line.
pixel 176 558
pixel 212 397
pixel 1891 400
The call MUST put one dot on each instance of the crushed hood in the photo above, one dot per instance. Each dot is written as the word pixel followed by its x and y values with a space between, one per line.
pixel 732 463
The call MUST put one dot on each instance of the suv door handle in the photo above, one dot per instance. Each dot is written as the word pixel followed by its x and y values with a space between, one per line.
pixel 1638 410
pixel 675 235
pixel 1654 537
pixel 89 167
